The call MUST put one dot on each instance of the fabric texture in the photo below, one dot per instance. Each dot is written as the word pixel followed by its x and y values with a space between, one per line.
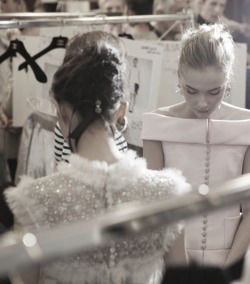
pixel 36 157
pixel 9 142
pixel 61 148
pixel 82 190
pixel 185 147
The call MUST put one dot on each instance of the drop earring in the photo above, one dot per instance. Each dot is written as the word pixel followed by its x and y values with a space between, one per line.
pixel 228 91
pixel 122 125
pixel 178 89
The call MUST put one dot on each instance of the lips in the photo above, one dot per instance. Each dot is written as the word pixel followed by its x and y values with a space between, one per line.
pixel 202 111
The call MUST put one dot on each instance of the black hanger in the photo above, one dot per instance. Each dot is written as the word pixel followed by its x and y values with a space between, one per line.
pixel 17 46
pixel 125 35
pixel 56 42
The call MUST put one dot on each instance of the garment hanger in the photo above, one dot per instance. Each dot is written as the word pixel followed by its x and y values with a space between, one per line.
pixel 56 42
pixel 17 46
pixel 126 35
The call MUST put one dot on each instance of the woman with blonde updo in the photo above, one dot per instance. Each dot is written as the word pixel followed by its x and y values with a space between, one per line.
pixel 207 139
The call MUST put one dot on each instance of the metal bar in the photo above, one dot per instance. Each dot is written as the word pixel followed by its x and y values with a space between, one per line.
pixel 43 15
pixel 66 19
pixel 133 218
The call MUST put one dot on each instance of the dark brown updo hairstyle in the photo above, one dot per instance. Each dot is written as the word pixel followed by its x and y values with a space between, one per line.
pixel 92 76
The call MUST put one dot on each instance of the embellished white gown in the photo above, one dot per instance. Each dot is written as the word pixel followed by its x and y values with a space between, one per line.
pixel 207 152
pixel 83 190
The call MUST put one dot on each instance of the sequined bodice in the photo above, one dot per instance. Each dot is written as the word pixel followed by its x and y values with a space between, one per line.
pixel 83 190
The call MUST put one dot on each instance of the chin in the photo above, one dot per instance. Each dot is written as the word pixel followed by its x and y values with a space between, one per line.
pixel 201 115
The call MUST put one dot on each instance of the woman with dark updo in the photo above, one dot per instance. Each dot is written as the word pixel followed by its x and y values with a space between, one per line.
pixel 88 89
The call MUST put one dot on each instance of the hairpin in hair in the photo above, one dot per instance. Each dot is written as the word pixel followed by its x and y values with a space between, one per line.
pixel 98 108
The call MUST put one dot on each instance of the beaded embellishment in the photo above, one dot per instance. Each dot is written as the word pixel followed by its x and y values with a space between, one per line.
pixel 206 184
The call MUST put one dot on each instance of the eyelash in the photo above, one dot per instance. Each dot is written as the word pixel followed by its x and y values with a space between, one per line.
pixel 191 92
pixel 215 93
pixel 195 92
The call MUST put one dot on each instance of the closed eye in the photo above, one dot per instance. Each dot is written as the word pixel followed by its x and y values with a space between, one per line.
pixel 191 91
pixel 215 92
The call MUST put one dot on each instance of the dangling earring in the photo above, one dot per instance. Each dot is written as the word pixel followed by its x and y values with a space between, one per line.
pixel 122 126
pixel 178 89
pixel 227 91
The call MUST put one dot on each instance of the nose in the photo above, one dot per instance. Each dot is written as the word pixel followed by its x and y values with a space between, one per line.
pixel 202 102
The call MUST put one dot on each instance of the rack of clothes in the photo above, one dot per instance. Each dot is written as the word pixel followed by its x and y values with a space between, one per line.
pixel 35 20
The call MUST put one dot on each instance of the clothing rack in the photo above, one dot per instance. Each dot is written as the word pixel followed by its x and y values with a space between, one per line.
pixel 18 250
pixel 31 20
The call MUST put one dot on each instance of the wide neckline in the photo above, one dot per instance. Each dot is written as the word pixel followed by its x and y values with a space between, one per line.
pixel 194 119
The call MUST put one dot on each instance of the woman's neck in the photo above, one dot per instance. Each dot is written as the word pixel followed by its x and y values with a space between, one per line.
pixel 218 113
pixel 97 143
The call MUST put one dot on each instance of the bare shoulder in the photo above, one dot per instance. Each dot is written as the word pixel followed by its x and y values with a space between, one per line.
pixel 235 113
pixel 172 111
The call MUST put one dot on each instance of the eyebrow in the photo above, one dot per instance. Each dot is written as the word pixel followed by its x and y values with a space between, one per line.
pixel 208 90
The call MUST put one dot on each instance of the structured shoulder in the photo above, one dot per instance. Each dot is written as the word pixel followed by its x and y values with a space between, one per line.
pixel 172 111
pixel 162 111
pixel 236 113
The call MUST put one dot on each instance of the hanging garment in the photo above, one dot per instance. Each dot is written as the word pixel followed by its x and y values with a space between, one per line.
pixel 36 153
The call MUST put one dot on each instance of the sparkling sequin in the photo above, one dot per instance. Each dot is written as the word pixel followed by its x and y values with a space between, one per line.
pixel 63 200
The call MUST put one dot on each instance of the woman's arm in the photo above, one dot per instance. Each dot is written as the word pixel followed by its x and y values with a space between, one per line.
pixel 242 238
pixel 26 277
pixel 177 256
pixel 246 165
pixel 153 153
